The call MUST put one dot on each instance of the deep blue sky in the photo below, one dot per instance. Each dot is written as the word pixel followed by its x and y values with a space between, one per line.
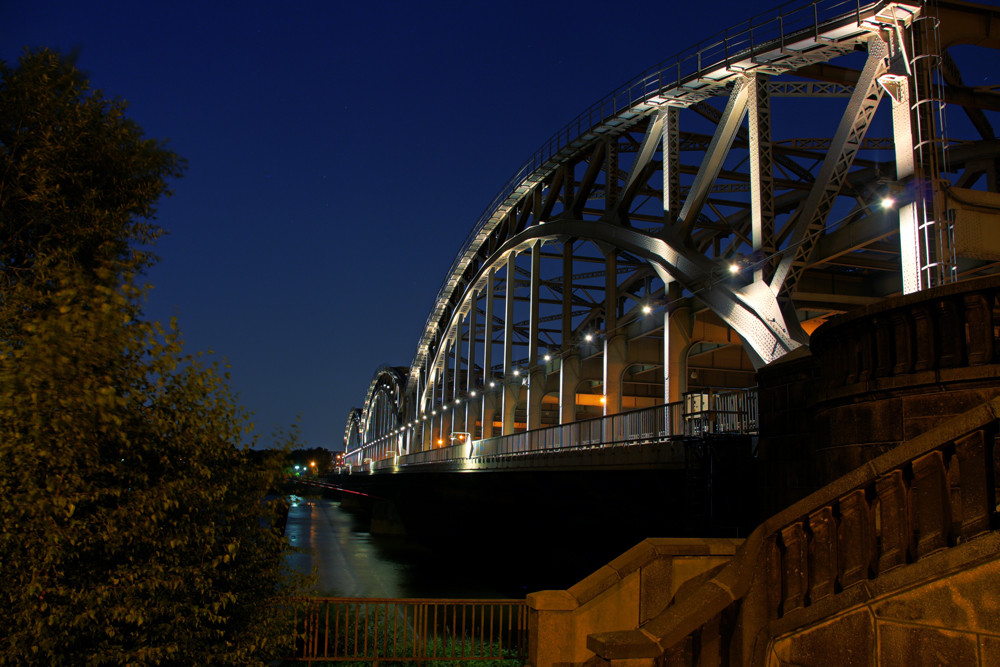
pixel 338 155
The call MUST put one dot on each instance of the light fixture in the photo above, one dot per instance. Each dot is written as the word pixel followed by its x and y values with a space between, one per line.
pixel 589 337
pixel 548 357
pixel 604 399
pixel 887 202
pixel 516 372
pixel 472 393
pixel 492 383
pixel 647 309
pixel 734 268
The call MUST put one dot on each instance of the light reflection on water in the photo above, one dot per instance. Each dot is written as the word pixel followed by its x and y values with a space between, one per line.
pixel 350 562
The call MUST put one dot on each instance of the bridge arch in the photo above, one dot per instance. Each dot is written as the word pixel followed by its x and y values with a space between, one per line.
pixel 610 246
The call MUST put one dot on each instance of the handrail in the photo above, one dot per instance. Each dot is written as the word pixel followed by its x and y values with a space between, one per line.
pixel 715 412
pixel 710 412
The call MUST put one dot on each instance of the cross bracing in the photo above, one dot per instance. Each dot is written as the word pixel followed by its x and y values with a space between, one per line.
pixel 726 199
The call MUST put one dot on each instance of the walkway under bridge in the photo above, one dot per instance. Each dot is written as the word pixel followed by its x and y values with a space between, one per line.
pixel 694 226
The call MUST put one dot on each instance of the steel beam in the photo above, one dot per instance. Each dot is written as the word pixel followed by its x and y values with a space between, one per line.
pixel 718 149
pixel 811 216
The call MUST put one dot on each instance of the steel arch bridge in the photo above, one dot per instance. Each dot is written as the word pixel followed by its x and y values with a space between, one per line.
pixel 699 223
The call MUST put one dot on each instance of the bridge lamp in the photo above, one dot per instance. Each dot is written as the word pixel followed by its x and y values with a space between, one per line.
pixel 516 372
pixel 472 393
pixel 734 268
pixel 440 441
pixel 548 357
pixel 589 337
pixel 887 202
pixel 434 413
pixel 492 383
pixel 458 401
pixel 604 399
pixel 647 309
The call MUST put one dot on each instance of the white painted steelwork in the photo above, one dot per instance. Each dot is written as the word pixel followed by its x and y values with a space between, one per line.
pixel 592 284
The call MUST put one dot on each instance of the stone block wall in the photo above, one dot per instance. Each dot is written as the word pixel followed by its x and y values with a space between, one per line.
pixel 623 594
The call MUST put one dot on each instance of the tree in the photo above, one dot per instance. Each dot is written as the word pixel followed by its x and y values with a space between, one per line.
pixel 133 525
pixel 77 177
pixel 316 460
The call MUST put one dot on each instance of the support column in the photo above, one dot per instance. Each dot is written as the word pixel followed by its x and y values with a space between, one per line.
pixel 489 396
pixel 671 166
pixel 569 364
pixel 614 367
pixel 614 341
pixel 472 402
pixel 761 178
pixel 457 411
pixel 569 378
pixel 678 335
pixel 536 375
pixel 489 414
pixel 509 393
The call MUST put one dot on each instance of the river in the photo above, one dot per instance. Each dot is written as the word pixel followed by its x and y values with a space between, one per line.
pixel 350 562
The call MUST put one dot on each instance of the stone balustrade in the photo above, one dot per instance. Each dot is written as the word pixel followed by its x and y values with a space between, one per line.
pixel 890 562
pixel 911 340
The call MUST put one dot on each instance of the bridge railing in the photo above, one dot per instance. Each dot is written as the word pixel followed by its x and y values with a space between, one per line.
pixel 709 412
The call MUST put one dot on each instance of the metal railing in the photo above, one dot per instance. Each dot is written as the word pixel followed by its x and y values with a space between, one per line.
pixel 415 630
pixel 709 412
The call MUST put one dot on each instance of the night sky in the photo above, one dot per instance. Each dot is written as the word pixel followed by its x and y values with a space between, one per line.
pixel 338 155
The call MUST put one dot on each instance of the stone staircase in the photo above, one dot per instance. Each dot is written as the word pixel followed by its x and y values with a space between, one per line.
pixel 897 562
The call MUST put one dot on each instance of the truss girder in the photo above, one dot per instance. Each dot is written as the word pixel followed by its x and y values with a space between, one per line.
pixel 718 149
pixel 636 176
pixel 761 177
pixel 751 310
pixel 594 138
pixel 811 217
pixel 671 167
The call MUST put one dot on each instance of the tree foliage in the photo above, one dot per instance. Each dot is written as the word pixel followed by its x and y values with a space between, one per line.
pixel 133 525
pixel 77 177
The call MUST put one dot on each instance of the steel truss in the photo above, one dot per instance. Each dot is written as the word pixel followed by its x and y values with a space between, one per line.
pixel 691 220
